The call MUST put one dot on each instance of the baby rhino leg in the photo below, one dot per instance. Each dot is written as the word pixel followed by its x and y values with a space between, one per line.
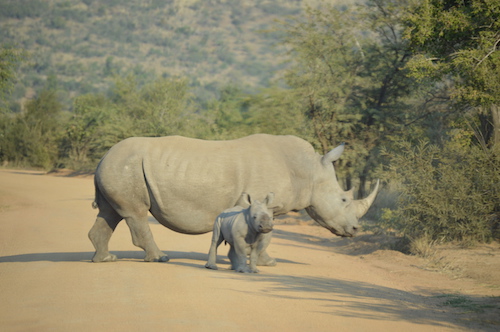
pixel 254 256
pixel 217 239
pixel 238 256
pixel 264 259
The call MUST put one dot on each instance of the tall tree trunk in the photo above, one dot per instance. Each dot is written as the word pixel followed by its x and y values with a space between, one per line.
pixel 362 186
pixel 495 115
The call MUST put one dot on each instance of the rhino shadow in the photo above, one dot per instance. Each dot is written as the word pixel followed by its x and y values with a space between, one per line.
pixel 363 300
pixel 360 245
pixel 122 256
pixel 308 239
pixel 87 256
pixel 49 256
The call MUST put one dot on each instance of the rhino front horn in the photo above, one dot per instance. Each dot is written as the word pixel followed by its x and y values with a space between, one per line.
pixel 364 204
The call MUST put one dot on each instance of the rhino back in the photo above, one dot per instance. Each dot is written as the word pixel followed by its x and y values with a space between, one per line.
pixel 187 182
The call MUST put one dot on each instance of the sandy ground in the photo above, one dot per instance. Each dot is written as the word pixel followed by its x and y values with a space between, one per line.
pixel 321 282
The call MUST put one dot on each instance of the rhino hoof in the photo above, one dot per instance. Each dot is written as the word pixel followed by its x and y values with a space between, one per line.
pixel 157 259
pixel 107 258
pixel 211 266
pixel 269 262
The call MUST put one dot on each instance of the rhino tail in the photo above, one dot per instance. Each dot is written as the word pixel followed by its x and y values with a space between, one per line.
pixel 98 195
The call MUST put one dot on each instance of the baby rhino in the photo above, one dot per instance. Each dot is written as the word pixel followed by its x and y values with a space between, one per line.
pixel 242 229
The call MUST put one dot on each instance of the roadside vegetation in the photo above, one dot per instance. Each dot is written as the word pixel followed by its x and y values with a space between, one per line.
pixel 412 87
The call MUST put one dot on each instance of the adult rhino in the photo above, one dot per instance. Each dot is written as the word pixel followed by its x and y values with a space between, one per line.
pixel 185 183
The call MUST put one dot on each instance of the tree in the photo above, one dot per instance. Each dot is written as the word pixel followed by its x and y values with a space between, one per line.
pixel 226 113
pixel 84 140
pixel 30 138
pixel 10 57
pixel 460 40
pixel 447 193
pixel 160 108
pixel 348 75
pixel 275 111
pixel 166 104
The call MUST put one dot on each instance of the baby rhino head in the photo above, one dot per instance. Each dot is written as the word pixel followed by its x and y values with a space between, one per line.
pixel 261 216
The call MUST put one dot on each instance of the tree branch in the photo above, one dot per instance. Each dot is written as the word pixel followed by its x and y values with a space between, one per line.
pixel 493 49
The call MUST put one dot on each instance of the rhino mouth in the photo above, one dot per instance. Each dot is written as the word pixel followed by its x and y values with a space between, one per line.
pixel 265 230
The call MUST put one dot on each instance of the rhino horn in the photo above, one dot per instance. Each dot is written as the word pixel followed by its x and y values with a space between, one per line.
pixel 364 204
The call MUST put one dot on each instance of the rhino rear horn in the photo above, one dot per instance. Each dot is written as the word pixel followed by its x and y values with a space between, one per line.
pixel 362 205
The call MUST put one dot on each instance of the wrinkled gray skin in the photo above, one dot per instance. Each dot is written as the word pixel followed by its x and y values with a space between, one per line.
pixel 244 230
pixel 185 183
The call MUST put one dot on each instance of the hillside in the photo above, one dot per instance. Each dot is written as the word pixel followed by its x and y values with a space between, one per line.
pixel 80 44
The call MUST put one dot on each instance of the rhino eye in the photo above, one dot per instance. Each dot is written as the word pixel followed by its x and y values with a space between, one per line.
pixel 344 200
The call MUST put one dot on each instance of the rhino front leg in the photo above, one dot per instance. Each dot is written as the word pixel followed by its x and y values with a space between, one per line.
pixel 238 256
pixel 264 259
pixel 143 238
pixel 253 260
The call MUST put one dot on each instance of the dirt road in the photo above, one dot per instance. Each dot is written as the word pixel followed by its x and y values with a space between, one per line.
pixel 49 284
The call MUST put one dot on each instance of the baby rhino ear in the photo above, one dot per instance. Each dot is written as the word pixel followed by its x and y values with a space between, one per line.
pixel 245 199
pixel 269 199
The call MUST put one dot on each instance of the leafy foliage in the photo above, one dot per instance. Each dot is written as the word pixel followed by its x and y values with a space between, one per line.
pixel 157 109
pixel 447 194
pixel 347 76
pixel 84 139
pixel 9 59
pixel 30 139
pixel 460 40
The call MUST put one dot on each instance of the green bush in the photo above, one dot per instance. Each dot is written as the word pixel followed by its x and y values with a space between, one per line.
pixel 23 8
pixel 30 138
pixel 446 194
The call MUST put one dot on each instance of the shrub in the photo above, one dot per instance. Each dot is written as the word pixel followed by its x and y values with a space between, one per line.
pixel 23 8
pixel 447 194
pixel 30 138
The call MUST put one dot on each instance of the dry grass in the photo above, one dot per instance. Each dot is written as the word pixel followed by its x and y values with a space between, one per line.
pixel 423 246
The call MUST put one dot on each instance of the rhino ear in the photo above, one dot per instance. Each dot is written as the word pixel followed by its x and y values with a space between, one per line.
pixel 333 155
pixel 269 198
pixel 246 198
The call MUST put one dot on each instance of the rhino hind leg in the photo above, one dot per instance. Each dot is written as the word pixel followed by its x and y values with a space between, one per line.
pixel 266 260
pixel 143 238
pixel 101 232
pixel 233 258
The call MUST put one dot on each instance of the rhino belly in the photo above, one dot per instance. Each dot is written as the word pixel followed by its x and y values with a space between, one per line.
pixel 187 222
